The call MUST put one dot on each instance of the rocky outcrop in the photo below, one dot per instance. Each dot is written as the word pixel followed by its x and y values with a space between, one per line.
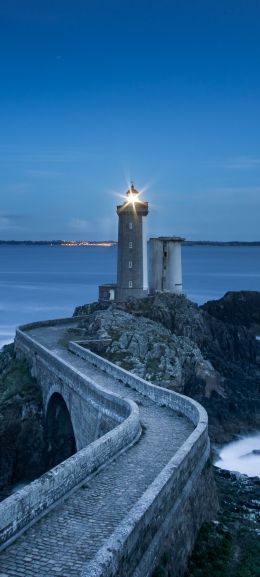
pixel 240 308
pixel 148 349
pixel 229 545
pixel 21 423
pixel 214 337
pixel 173 342
pixel 166 339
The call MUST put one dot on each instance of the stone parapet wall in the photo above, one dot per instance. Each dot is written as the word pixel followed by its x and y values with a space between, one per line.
pixel 28 504
pixel 37 355
pixel 180 403
pixel 158 518
pixel 175 504
pixel 52 323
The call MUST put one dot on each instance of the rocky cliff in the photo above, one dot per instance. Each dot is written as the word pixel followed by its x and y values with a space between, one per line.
pixel 229 545
pixel 209 353
pixel 173 342
pixel 21 423
pixel 240 308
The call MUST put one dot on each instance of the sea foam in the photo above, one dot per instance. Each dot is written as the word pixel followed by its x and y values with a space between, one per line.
pixel 242 456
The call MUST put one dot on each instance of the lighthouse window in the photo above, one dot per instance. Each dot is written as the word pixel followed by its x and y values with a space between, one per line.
pixel 130 284
pixel 130 225
pixel 130 244
pixel 130 264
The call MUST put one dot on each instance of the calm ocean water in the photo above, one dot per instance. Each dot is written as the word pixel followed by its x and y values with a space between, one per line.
pixel 42 282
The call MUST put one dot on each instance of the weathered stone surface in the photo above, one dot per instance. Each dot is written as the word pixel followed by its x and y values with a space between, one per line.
pixel 184 318
pixel 215 362
pixel 150 350
pixel 179 543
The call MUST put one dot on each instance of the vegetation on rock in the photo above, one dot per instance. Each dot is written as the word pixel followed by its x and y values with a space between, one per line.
pixel 148 348
pixel 199 351
pixel 229 546
pixel 174 343
pixel 237 308
pixel 21 422
pixel 16 382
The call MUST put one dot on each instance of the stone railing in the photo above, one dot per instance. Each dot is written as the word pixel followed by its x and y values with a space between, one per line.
pixel 139 540
pixel 36 353
pixel 161 396
pixel 27 505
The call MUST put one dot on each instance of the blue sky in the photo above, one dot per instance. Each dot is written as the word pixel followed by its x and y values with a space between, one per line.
pixel 93 93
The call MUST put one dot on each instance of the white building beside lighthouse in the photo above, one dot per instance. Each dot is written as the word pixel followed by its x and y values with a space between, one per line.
pixel 164 264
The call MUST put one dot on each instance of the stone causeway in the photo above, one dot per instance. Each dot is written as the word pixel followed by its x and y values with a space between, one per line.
pixel 135 485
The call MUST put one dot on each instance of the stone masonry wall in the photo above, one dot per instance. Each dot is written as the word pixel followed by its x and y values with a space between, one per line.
pixel 170 511
pixel 180 403
pixel 28 504
pixel 86 404
pixel 169 514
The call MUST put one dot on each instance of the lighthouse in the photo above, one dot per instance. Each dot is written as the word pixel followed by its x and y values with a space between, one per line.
pixel 164 262
pixel 131 257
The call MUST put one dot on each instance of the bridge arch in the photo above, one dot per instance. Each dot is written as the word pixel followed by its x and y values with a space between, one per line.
pixel 59 431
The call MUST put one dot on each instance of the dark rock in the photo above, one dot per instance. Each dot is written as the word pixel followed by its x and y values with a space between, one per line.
pixel 185 318
pixel 22 445
pixel 149 350
pixel 229 546
pixel 238 308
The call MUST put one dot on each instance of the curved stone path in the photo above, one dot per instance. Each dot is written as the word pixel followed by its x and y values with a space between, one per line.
pixel 70 535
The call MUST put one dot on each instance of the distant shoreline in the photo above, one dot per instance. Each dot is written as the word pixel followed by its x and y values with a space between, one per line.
pixel 110 243
pixel 103 243
pixel 220 243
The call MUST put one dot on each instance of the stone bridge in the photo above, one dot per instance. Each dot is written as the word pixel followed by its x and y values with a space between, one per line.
pixel 136 485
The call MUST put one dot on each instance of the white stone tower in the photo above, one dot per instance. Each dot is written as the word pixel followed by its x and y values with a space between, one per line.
pixel 131 264
pixel 164 264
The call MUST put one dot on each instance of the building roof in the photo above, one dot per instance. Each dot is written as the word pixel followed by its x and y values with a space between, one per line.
pixel 168 238
pixel 132 190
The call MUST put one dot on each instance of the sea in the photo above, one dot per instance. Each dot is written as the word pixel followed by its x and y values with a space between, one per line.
pixel 43 282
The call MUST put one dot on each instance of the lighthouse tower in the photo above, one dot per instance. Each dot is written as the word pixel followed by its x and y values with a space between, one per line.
pixel 131 259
